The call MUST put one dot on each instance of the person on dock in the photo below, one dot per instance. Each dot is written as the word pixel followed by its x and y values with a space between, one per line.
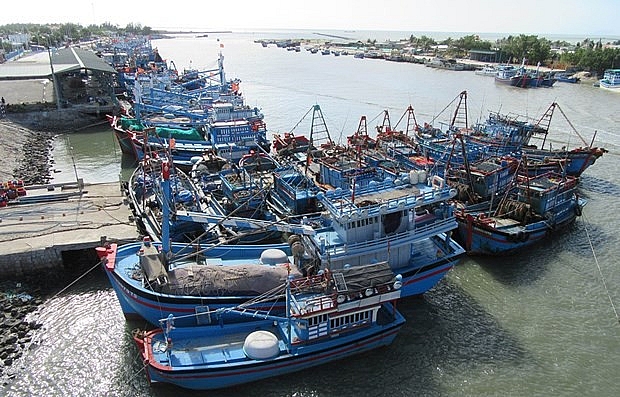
pixel 2 108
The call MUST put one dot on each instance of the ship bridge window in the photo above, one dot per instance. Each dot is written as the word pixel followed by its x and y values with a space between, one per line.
pixel 316 320
pixel 350 320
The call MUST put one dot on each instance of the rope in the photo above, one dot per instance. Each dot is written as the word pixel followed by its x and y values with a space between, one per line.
pixel 613 306
pixel 76 280
pixel 20 362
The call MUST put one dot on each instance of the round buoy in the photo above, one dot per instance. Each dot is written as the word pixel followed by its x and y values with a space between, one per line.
pixel 261 345
pixel 273 256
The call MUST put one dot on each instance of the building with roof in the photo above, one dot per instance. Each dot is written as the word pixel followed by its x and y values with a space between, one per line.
pixel 83 84
pixel 483 56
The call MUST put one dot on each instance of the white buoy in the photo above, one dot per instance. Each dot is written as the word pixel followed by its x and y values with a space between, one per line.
pixel 261 345
pixel 273 256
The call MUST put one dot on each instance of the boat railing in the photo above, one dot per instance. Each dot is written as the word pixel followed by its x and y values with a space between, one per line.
pixel 417 233
pixel 314 305
pixel 340 203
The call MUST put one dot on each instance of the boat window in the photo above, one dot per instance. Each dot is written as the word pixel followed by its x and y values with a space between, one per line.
pixel 350 320
pixel 317 319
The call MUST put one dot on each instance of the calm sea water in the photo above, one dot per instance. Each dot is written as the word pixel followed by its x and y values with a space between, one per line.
pixel 540 323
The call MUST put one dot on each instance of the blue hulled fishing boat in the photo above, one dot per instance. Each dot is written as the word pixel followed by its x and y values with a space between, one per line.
pixel 153 279
pixel 611 80
pixel 376 214
pixel 148 200
pixel 327 317
pixel 537 207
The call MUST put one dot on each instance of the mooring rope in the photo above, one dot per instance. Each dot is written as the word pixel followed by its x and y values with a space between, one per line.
pixel 598 266
pixel 20 363
pixel 76 280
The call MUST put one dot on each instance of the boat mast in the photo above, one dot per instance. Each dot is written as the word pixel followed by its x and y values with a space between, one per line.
pixel 460 113
pixel 412 123
pixel 165 224
pixel 543 124
pixel 220 65
pixel 288 312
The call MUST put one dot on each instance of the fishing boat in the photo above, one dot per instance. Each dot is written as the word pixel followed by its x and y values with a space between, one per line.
pixel 505 74
pixel 480 181
pixel 541 79
pixel 123 132
pixel 231 138
pixel 502 135
pixel 538 207
pixel 406 220
pixel 242 190
pixel 611 80
pixel 144 190
pixel 206 168
pixel 293 195
pixel 244 194
pixel 154 279
pixel 373 211
pixel 289 144
pixel 564 77
pixel 573 162
pixel 498 135
pixel 327 317
pixel 189 122
pixel 448 64
pixel 135 138
pixel 487 70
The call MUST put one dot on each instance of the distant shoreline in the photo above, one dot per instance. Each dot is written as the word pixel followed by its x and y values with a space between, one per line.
pixel 381 35
pixel 193 32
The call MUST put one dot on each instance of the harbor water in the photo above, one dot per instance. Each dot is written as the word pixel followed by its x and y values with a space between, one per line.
pixel 540 323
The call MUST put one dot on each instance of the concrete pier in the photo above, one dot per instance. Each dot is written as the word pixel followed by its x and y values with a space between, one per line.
pixel 53 219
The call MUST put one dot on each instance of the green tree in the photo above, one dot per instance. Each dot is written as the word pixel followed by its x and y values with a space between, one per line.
pixel 462 46
pixel 530 47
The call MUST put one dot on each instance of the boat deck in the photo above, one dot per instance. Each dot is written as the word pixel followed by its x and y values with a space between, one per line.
pixel 390 194
pixel 211 348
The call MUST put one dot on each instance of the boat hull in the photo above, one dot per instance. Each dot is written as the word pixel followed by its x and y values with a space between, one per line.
pixel 481 237
pixel 609 86
pixel 240 370
pixel 576 161
pixel 139 302
pixel 123 137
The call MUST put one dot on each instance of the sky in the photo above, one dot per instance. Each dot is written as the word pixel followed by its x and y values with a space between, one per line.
pixel 590 18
